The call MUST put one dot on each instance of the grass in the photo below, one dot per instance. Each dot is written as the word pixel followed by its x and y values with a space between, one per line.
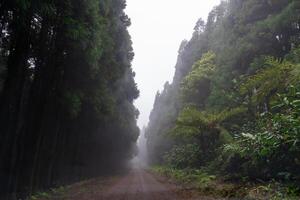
pixel 52 193
pixel 198 179
pixel 275 191
pixel 75 191
pixel 186 176
pixel 211 185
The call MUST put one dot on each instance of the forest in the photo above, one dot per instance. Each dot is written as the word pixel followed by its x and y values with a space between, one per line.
pixel 230 118
pixel 233 108
pixel 66 93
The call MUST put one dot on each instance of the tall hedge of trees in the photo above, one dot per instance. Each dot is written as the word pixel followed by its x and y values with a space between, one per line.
pixel 67 92
pixel 234 101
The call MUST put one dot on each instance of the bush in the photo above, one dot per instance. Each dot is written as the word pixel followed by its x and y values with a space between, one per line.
pixel 184 156
pixel 274 151
pixel 199 178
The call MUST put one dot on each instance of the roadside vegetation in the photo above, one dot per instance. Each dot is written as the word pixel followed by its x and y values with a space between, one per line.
pixel 232 113
pixel 203 183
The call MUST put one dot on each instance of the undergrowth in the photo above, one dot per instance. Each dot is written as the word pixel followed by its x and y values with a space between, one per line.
pixel 51 194
pixel 208 184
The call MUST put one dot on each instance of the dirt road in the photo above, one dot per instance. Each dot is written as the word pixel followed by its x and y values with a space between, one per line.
pixel 138 184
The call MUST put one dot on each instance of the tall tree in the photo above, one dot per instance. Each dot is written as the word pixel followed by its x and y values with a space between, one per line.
pixel 68 89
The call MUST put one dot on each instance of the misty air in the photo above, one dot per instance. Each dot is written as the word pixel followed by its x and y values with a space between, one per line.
pixel 150 100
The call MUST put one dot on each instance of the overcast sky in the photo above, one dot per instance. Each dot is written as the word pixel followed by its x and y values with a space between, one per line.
pixel 158 27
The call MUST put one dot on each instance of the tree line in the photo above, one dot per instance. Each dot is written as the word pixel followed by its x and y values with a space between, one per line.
pixel 234 103
pixel 66 92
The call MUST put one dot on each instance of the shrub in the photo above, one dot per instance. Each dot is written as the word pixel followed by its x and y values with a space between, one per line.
pixel 184 156
pixel 274 151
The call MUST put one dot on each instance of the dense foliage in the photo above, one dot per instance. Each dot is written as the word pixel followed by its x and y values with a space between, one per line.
pixel 234 101
pixel 67 92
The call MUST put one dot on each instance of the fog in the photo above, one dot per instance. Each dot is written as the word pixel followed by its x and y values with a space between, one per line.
pixel 157 29
pixel 70 88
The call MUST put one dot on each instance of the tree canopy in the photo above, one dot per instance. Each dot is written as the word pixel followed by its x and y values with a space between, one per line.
pixel 235 94
pixel 67 92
